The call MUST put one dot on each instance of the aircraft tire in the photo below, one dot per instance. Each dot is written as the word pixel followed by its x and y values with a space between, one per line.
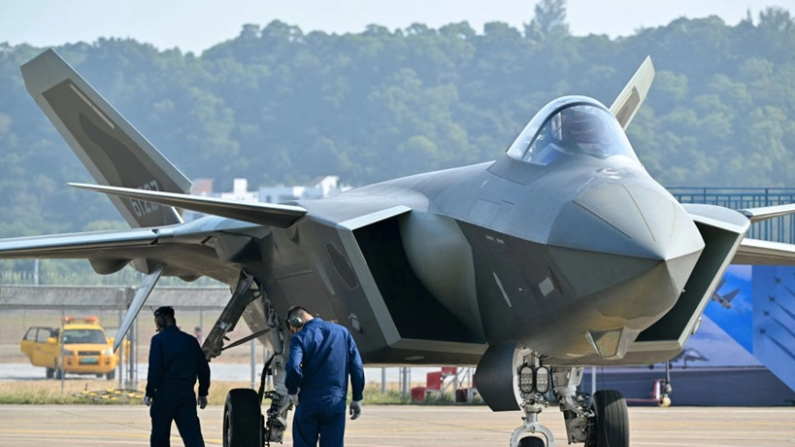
pixel 49 373
pixel 242 419
pixel 532 441
pixel 610 425
pixel 111 375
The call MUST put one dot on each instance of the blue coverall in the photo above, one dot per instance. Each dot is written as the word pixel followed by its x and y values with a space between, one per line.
pixel 322 356
pixel 175 361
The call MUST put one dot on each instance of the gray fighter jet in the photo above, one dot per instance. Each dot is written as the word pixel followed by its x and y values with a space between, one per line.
pixel 562 253
pixel 725 300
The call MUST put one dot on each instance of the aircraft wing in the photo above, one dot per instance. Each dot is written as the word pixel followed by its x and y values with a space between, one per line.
pixel 187 251
pixel 767 212
pixel 731 295
pixel 754 251
pixel 77 245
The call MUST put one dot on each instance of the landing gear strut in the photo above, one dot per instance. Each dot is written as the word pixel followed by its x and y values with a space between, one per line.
pixel 533 384
pixel 244 423
pixel 514 378
pixel 666 388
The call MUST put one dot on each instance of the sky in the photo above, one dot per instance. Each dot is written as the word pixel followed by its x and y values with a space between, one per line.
pixel 195 25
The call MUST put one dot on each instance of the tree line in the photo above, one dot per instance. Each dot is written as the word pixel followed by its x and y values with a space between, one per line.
pixel 280 105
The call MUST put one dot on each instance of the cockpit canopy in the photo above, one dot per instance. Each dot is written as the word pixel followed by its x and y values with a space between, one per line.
pixel 571 126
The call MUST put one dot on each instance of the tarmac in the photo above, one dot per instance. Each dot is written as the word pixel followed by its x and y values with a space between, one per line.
pixel 420 426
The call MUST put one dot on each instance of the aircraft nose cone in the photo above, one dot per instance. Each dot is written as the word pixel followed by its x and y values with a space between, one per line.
pixel 634 247
pixel 629 220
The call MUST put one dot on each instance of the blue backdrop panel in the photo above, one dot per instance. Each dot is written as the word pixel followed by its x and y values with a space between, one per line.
pixel 774 320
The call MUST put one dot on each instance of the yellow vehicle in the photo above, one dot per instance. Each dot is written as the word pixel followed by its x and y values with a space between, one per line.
pixel 83 348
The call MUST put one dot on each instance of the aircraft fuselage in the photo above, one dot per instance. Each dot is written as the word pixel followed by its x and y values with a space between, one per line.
pixel 571 260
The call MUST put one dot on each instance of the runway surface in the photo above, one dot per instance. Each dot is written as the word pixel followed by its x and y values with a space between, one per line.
pixel 420 426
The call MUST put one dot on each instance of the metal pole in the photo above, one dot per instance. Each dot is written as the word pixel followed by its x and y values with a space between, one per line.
pixel 254 364
pixel 404 385
pixel 121 354
pixel 470 391
pixel 593 380
pixel 383 380
pixel 407 380
pixel 455 385
pixel 129 365
pixel 63 367
pixel 134 354
pixel 129 293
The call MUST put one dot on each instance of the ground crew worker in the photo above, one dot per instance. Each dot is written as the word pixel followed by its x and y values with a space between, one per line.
pixel 322 356
pixel 175 361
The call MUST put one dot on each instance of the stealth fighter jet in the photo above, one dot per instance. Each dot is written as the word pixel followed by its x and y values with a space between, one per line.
pixel 562 253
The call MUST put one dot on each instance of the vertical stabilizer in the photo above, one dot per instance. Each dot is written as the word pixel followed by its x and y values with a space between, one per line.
pixel 630 99
pixel 114 152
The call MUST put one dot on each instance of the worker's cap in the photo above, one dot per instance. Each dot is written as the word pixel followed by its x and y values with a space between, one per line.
pixel 165 311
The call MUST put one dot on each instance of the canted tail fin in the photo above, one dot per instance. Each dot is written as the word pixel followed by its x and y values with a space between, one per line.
pixel 630 99
pixel 112 150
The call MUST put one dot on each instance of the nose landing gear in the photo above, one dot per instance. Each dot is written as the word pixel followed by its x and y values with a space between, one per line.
pixel 511 378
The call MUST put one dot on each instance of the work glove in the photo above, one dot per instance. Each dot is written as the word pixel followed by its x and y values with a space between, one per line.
pixel 202 402
pixel 356 409
pixel 148 401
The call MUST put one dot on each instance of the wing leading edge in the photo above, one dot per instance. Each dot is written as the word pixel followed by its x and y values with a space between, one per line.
pixel 188 250
pixel 77 245
pixel 756 252
pixel 767 212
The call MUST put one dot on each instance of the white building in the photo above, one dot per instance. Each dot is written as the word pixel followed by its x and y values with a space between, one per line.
pixel 317 189
pixel 240 192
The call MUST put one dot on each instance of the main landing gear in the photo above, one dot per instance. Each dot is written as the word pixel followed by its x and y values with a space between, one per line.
pixel 511 378
pixel 244 423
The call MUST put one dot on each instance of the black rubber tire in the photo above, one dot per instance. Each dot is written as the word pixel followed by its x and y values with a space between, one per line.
pixel 99 376
pixel 49 373
pixel 610 426
pixel 242 419
pixel 532 441
pixel 111 375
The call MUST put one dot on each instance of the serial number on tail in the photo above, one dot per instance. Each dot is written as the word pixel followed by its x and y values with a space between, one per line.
pixel 142 208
